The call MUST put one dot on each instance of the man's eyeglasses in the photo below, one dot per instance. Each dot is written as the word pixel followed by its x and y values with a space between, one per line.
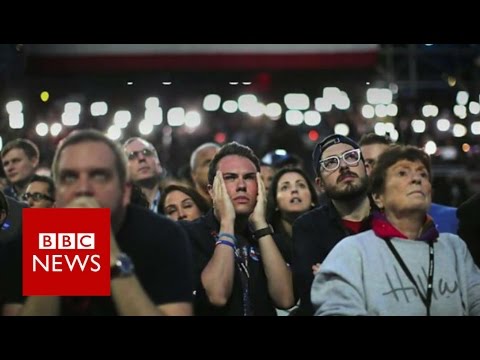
pixel 332 163
pixel 36 196
pixel 134 154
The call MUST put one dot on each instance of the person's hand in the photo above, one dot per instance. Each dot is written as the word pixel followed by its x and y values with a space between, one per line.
pixel 257 217
pixel 316 268
pixel 114 249
pixel 222 203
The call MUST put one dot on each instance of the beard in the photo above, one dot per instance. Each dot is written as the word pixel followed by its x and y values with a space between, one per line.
pixel 350 192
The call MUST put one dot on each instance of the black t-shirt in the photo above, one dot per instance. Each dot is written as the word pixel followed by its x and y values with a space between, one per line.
pixel 202 234
pixel 162 257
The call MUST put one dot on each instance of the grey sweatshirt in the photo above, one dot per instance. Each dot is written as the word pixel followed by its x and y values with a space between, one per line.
pixel 361 276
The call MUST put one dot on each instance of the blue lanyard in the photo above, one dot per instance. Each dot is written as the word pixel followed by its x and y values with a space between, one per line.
pixel 241 257
pixel 241 260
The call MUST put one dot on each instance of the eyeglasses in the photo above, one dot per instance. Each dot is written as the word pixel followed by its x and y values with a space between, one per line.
pixel 134 154
pixel 332 163
pixel 36 196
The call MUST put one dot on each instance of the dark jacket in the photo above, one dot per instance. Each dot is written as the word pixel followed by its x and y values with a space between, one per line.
pixel 469 225
pixel 12 227
pixel 314 235
pixel 10 247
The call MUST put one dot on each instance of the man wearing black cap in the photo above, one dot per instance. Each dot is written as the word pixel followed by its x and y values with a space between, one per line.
pixel 340 171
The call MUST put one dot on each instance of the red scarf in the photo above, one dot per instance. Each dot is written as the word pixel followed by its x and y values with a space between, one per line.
pixel 385 230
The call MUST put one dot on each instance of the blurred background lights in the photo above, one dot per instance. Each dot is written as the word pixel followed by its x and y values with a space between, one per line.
pixel 342 129
pixel 430 147
pixel 44 96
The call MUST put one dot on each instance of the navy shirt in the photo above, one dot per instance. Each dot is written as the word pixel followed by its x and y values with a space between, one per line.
pixel 202 233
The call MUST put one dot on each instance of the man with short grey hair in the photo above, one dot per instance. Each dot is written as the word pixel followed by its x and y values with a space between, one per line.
pixel 144 168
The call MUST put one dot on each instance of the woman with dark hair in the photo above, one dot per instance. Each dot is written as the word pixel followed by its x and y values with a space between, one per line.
pixel 402 266
pixel 182 203
pixel 291 194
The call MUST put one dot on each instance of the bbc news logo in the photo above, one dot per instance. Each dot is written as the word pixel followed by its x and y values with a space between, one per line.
pixel 66 252
pixel 66 241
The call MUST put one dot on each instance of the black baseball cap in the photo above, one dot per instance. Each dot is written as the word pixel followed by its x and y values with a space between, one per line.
pixel 326 143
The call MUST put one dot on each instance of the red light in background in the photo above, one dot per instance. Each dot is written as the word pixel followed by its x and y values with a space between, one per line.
pixel 262 82
pixel 220 137
pixel 313 135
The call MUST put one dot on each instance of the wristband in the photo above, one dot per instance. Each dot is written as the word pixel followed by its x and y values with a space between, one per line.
pixel 224 242
pixel 229 236
pixel 262 232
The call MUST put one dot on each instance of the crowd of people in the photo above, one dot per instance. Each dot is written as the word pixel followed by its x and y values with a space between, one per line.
pixel 242 236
